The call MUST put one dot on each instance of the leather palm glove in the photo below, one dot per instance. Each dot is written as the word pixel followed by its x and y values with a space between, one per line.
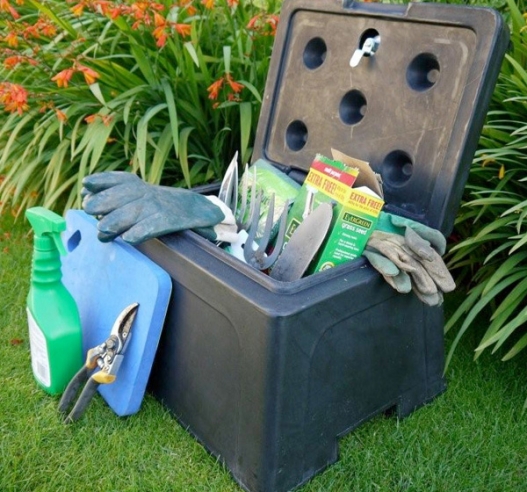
pixel 128 207
pixel 408 256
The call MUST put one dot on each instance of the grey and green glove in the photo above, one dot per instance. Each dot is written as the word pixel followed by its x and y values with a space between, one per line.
pixel 137 211
pixel 408 256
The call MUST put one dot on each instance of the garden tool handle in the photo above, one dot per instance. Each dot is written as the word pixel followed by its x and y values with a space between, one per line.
pixel 73 387
pixel 84 399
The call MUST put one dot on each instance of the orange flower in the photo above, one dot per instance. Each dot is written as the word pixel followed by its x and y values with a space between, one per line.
pixel 214 89
pixel 159 20
pixel 5 6
pixel 252 23
pixel 46 28
pixel 233 98
pixel 232 3
pixel 78 9
pixel 30 31
pixel 183 29
pixel 187 5
pixel 11 39
pixel 157 6
pixel 162 40
pixel 235 86
pixel 139 11
pixel 61 116
pixel 62 78
pixel 12 61
pixel 272 21
pixel 13 97
pixel 106 119
pixel 265 24
pixel 115 11
pixel 208 4
pixel 102 7
pixel 90 75
pixel 160 35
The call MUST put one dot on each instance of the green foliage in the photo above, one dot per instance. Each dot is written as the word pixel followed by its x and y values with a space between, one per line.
pixel 169 90
pixel 492 256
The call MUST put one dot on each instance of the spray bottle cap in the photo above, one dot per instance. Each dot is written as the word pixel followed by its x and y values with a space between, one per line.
pixel 47 226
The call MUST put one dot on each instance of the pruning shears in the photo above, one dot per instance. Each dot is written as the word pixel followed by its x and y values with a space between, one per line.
pixel 108 357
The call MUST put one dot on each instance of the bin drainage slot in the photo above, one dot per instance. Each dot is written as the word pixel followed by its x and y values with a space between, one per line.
pixel 397 168
pixel 315 53
pixel 352 107
pixel 423 72
pixel 296 135
pixel 369 43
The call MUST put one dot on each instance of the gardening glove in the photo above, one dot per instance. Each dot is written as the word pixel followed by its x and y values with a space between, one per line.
pixel 137 211
pixel 398 225
pixel 408 256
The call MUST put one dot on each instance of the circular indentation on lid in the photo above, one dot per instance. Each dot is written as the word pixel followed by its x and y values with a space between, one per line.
pixel 423 72
pixel 315 53
pixel 352 107
pixel 296 135
pixel 397 168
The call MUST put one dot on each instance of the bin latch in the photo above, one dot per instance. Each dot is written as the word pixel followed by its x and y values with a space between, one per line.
pixel 367 48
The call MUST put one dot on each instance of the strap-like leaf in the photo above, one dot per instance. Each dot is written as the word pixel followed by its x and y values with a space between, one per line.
pixel 516 349
pixel 142 134
pixel 504 270
pixel 183 154
pixel 172 113
pixel 161 153
pixel 192 52
pixel 245 129
pixel 461 310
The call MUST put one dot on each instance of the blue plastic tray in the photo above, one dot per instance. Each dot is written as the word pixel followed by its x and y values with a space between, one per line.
pixel 104 278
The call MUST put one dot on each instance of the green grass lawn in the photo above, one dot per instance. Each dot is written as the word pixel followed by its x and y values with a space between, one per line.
pixel 472 438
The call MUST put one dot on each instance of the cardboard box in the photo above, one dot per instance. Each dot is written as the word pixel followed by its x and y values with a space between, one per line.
pixel 356 210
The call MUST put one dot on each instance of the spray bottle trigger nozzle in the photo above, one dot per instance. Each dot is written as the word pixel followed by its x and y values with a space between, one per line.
pixel 46 223
pixel 58 243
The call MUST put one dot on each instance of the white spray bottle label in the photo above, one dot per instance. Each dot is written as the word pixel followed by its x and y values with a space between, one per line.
pixel 39 351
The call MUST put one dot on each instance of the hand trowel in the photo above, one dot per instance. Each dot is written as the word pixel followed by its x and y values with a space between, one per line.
pixel 303 245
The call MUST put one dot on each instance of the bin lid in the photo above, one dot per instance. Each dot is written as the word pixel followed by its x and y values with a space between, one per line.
pixel 404 87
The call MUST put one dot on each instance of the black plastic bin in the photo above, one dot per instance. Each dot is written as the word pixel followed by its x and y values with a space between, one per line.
pixel 268 375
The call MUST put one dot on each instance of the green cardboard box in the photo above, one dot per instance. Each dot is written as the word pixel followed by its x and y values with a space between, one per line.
pixel 355 212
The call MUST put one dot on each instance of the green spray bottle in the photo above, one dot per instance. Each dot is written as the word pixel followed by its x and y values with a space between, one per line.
pixel 55 333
